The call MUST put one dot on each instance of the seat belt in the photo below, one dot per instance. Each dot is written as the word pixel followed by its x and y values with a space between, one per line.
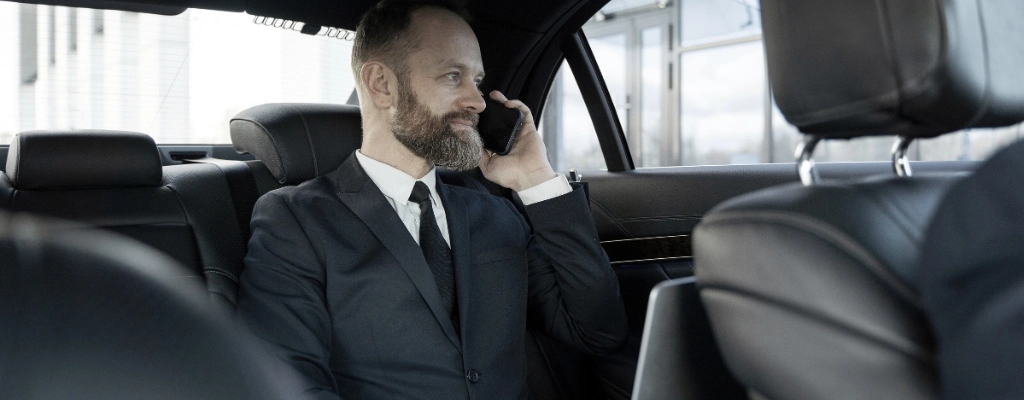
pixel 241 185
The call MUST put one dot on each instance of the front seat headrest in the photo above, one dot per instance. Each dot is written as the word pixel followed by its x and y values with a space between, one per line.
pixel 91 315
pixel 86 159
pixel 298 142
pixel 915 68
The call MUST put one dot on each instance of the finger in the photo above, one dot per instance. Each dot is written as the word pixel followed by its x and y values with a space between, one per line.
pixel 485 158
pixel 498 96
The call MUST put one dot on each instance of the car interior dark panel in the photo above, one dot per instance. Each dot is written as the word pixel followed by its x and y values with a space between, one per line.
pixel 792 272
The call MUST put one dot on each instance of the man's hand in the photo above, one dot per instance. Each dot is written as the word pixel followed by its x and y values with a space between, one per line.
pixel 527 164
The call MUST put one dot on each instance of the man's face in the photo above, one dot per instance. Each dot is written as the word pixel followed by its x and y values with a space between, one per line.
pixel 438 100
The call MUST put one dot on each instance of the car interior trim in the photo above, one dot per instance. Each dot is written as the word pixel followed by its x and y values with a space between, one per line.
pixel 660 248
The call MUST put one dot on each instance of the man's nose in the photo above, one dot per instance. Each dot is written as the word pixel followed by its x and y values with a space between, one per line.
pixel 473 100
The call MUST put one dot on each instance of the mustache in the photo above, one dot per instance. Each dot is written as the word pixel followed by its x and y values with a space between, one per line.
pixel 472 117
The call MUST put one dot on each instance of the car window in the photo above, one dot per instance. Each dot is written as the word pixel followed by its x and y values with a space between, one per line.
pixel 177 78
pixel 689 84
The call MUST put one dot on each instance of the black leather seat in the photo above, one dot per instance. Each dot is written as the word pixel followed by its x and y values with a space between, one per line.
pixel 813 291
pixel 88 314
pixel 114 180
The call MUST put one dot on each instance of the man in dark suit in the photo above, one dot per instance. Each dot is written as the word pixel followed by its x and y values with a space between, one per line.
pixel 378 281
pixel 972 280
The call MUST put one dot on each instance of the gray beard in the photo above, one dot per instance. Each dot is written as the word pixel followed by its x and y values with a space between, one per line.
pixel 432 138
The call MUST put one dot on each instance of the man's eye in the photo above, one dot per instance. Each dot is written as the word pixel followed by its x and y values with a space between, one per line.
pixel 452 76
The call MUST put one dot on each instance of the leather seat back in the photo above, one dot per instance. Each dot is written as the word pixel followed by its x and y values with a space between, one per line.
pixel 114 180
pixel 812 290
pixel 92 315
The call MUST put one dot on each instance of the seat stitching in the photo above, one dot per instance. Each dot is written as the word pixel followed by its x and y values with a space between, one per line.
pixel 309 139
pixel 613 386
pixel 612 217
pixel 214 271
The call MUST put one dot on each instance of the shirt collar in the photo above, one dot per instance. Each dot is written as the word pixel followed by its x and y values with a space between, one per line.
pixel 393 182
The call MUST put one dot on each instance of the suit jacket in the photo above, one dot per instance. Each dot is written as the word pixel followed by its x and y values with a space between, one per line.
pixel 971 281
pixel 339 288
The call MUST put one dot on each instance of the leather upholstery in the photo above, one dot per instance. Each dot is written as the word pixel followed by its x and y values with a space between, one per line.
pixel 92 315
pixel 917 68
pixel 812 292
pixel 83 159
pixel 186 213
pixel 298 142
pixel 805 285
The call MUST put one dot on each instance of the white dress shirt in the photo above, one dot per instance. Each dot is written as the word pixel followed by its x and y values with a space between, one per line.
pixel 397 187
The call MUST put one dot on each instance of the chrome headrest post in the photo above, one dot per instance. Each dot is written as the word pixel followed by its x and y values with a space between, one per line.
pixel 805 161
pixel 900 162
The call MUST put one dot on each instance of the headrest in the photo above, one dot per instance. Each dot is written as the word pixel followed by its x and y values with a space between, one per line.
pixel 298 142
pixel 916 68
pixel 85 159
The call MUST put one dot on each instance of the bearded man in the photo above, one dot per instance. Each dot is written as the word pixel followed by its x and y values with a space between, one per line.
pixel 377 281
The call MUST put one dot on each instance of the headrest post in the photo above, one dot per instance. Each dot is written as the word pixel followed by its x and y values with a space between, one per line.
pixel 805 160
pixel 900 162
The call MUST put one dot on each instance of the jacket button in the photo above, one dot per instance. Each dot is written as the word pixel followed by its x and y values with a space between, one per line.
pixel 473 376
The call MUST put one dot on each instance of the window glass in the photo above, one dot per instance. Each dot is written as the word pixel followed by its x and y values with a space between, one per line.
pixel 651 144
pixel 567 128
pixel 704 19
pixel 970 144
pixel 722 105
pixel 610 53
pixel 177 78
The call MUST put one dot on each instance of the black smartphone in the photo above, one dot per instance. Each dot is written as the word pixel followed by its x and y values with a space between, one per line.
pixel 498 126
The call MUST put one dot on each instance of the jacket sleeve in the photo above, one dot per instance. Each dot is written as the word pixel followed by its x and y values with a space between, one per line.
pixel 281 295
pixel 573 291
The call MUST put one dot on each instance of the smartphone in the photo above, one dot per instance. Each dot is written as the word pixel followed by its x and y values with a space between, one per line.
pixel 498 126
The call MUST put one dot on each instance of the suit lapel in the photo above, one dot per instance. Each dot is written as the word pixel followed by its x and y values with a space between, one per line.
pixel 459 235
pixel 359 194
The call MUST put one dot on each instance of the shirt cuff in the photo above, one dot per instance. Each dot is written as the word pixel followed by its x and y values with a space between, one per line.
pixel 547 190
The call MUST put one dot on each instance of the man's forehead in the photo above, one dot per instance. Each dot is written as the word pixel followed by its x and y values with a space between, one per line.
pixel 445 38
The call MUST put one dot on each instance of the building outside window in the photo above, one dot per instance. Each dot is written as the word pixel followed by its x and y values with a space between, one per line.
pixel 689 83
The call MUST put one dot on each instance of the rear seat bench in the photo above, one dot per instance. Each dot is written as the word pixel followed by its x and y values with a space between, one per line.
pixel 114 180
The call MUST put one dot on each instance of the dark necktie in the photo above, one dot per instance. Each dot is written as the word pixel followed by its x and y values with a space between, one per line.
pixel 436 251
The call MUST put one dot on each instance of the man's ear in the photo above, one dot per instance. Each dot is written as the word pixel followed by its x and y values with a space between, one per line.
pixel 380 83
